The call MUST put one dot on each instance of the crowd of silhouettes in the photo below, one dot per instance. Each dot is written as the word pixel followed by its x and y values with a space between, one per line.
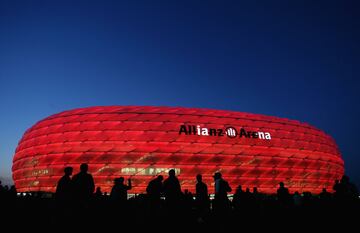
pixel 164 199
pixel 7 193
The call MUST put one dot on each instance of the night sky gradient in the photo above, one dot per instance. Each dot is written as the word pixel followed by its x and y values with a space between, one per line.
pixel 293 59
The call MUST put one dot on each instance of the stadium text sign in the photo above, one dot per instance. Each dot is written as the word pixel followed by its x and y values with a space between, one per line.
pixel 231 132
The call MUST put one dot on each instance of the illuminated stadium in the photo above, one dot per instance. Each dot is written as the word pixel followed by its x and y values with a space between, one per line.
pixel 140 142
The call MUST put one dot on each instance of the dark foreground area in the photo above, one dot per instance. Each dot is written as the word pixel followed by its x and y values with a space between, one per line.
pixel 40 213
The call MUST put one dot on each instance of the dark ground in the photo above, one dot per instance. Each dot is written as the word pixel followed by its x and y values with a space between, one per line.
pixel 44 214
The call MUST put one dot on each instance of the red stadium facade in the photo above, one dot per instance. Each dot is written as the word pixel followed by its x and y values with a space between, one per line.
pixel 141 142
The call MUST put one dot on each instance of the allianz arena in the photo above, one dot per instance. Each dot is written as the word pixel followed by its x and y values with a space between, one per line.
pixel 141 142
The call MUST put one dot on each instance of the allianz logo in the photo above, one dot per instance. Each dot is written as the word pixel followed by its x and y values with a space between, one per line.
pixel 230 132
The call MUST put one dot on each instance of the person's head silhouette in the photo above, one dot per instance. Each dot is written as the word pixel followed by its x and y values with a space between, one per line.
pixel 217 175
pixel 160 178
pixel 84 167
pixel 281 184
pixel 239 188
pixel 344 179
pixel 121 180
pixel 68 171
pixel 199 177
pixel 172 172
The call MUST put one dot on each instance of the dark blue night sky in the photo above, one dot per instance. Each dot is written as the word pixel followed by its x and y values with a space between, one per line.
pixel 293 59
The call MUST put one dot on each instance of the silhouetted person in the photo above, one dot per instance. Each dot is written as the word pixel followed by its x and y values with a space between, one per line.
pixel 238 198
pixel 325 195
pixel 345 190
pixel 222 187
pixel 4 192
pixel 297 199
pixel 83 184
pixel 248 199
pixel 283 194
pixel 354 191
pixel 172 190
pixel 307 200
pixel 255 191
pixel 325 199
pixel 257 197
pixel 337 188
pixel 155 188
pixel 98 193
pixel 350 188
pixel 64 196
pixel 119 191
pixel 65 189
pixel 13 192
pixel 188 202
pixel 202 197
